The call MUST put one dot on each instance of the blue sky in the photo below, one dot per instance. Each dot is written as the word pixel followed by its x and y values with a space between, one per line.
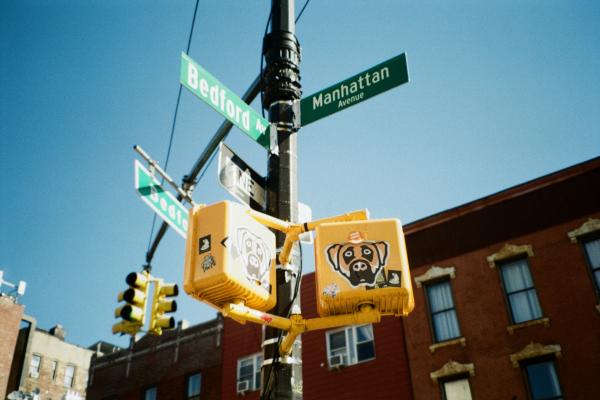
pixel 500 92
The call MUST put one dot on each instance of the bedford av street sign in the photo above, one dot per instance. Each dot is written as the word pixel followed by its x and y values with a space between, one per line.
pixel 208 88
pixel 162 202
pixel 245 184
pixel 360 87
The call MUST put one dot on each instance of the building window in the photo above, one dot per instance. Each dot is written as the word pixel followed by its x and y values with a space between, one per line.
pixel 350 345
pixel 442 312
pixel 34 366
pixel 53 368
pixel 592 253
pixel 69 375
pixel 542 380
pixel 248 372
pixel 194 383
pixel 150 393
pixel 520 291
pixel 456 389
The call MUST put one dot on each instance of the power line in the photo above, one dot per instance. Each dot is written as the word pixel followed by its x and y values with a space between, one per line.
pixel 207 153
pixel 189 42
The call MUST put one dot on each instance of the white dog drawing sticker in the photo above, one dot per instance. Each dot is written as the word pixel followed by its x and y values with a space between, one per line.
pixel 255 255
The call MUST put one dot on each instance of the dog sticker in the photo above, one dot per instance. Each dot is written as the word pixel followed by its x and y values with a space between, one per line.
pixel 255 256
pixel 359 261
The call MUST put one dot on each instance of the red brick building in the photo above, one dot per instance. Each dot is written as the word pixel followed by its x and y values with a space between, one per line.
pixel 506 293
pixel 374 358
pixel 10 317
pixel 181 364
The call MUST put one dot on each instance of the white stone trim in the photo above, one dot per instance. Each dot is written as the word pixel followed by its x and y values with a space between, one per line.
pixel 542 321
pixel 433 273
pixel 591 225
pixel 458 341
pixel 452 368
pixel 533 350
pixel 509 251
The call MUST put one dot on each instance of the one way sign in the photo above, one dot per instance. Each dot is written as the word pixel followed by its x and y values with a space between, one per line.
pixel 240 180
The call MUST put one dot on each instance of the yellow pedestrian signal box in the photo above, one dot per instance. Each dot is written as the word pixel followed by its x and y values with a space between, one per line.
pixel 229 257
pixel 362 262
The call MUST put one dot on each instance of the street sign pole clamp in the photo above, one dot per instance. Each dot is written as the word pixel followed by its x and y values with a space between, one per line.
pixel 273 139
pixel 283 360
pixel 286 110
pixel 188 185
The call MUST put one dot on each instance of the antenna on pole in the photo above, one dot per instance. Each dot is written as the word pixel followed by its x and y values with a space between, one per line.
pixel 18 288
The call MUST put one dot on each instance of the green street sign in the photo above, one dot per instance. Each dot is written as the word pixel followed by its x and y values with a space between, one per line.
pixel 208 88
pixel 162 202
pixel 360 87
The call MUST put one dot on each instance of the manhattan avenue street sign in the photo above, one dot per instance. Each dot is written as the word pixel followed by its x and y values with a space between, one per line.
pixel 245 184
pixel 162 202
pixel 208 88
pixel 360 87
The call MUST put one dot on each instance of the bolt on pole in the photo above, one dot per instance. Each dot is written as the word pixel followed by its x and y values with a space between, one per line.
pixel 281 376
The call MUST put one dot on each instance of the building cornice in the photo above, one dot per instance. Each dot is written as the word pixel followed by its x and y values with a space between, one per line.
pixel 504 195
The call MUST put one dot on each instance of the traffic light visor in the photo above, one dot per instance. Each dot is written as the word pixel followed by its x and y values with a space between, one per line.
pixel 167 306
pixel 165 322
pixel 133 296
pixel 137 280
pixel 168 289
pixel 130 313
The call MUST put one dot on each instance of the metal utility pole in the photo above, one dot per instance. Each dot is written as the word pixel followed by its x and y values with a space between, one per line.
pixel 282 375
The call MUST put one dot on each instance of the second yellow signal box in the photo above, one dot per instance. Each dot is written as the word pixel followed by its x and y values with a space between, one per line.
pixel 229 257
pixel 362 262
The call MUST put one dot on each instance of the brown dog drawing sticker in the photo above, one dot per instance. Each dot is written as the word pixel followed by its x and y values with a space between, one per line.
pixel 255 257
pixel 359 261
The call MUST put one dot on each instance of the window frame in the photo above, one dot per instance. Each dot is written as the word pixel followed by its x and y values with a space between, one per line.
pixel 583 240
pixel 523 364
pixel 500 264
pixel 147 388
pixel 350 330
pixel 53 370
pixel 451 378
pixel 187 386
pixel 36 373
pixel 64 382
pixel 426 285
pixel 256 365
